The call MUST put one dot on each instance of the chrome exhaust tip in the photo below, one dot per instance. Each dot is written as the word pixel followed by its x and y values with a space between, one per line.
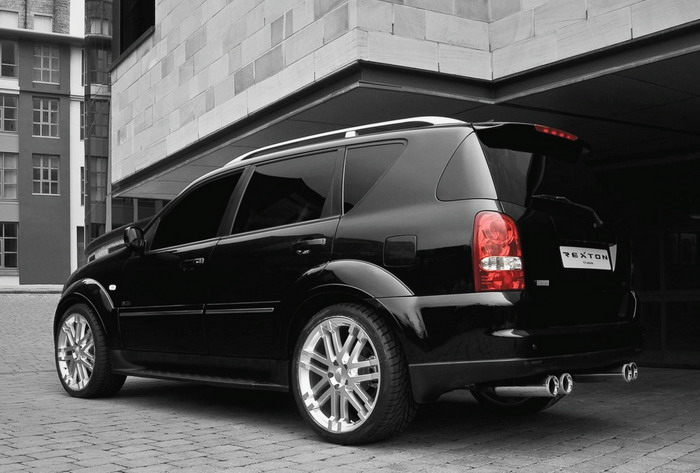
pixel 628 372
pixel 549 387
pixel 566 384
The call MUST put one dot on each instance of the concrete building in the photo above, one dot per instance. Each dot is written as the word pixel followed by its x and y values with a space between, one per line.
pixel 199 83
pixel 41 151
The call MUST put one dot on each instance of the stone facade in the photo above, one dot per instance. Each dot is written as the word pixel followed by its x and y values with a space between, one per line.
pixel 209 64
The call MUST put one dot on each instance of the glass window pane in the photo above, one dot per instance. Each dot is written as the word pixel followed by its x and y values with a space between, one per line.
pixel 285 192
pixel 10 260
pixel 11 245
pixel 10 230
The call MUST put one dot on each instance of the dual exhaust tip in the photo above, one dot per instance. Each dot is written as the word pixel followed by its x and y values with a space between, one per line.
pixel 553 385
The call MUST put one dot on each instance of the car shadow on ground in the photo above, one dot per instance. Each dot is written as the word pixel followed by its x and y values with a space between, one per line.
pixel 455 417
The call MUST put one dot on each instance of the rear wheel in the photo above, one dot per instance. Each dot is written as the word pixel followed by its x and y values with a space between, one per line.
pixel 514 405
pixel 349 376
pixel 82 360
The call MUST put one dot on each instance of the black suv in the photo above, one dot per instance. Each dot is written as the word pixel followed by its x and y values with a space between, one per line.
pixel 366 271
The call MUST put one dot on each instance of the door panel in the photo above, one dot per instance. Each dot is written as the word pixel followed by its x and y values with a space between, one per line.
pixel 252 273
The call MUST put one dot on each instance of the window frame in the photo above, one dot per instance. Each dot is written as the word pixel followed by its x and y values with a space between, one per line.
pixel 3 244
pixel 4 64
pixel 226 218
pixel 51 113
pixel 41 69
pixel 3 113
pixel 335 192
pixel 52 158
pixel 3 174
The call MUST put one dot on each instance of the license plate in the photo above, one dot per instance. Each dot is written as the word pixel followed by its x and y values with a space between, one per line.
pixel 585 258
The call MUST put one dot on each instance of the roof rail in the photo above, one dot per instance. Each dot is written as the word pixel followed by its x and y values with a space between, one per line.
pixel 352 132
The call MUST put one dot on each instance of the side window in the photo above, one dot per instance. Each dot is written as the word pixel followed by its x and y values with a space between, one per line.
pixel 290 191
pixel 197 215
pixel 363 168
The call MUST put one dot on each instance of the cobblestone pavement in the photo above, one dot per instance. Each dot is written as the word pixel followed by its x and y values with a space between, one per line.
pixel 152 426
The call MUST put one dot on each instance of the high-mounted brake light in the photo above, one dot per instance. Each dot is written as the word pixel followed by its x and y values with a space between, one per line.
pixel 497 253
pixel 554 132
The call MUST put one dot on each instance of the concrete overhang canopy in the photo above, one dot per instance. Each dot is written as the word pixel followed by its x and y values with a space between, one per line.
pixel 631 104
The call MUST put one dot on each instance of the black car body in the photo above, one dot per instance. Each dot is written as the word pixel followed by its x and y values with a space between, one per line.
pixel 470 255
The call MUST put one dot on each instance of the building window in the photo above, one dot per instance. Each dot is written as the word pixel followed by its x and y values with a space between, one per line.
pixel 98 65
pixel 8 59
pixel 82 185
pixel 9 19
pixel 45 177
pixel 8 113
pixel 100 26
pixel 46 64
pixel 45 117
pixel 135 18
pixel 83 67
pixel 43 23
pixel 82 120
pixel 98 179
pixel 98 119
pixel 8 245
pixel 8 176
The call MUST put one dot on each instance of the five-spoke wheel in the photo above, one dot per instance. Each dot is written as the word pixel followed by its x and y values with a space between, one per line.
pixel 350 378
pixel 82 360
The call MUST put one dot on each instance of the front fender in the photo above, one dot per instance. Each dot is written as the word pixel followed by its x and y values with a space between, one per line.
pixel 91 292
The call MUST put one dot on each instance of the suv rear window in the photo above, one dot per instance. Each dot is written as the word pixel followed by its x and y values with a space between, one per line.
pixel 548 168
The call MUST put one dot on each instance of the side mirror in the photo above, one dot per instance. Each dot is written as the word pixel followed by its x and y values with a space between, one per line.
pixel 133 238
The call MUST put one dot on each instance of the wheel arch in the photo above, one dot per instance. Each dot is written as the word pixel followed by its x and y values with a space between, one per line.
pixel 94 295
pixel 344 281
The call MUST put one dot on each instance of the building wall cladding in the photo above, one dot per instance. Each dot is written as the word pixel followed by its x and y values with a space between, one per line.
pixel 210 64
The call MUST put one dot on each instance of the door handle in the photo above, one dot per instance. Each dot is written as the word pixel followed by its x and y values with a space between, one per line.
pixel 304 247
pixel 191 264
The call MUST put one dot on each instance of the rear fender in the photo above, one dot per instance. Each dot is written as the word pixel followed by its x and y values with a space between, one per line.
pixel 91 292
pixel 349 281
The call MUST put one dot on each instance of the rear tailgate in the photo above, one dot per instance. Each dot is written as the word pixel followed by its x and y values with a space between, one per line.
pixel 576 255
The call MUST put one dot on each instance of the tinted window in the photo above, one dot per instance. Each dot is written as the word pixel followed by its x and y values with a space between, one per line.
pixel 197 215
pixel 290 191
pixel 467 175
pixel 521 175
pixel 363 168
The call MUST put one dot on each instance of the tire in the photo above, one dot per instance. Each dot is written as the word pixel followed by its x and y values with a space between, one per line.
pixel 82 361
pixel 514 405
pixel 349 376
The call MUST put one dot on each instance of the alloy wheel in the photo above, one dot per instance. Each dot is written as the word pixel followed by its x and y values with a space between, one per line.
pixel 339 374
pixel 75 352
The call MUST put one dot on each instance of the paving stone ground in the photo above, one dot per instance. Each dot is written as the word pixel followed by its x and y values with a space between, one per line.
pixel 154 426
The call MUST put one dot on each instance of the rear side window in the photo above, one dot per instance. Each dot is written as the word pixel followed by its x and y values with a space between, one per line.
pixel 363 168
pixel 291 191
pixel 197 215
pixel 467 174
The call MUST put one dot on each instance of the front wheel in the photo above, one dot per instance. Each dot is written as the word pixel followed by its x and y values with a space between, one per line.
pixel 349 376
pixel 82 360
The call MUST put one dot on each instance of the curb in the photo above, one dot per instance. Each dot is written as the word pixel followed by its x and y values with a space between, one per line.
pixel 32 289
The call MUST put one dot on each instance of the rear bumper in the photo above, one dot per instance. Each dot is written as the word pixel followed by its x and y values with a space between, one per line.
pixel 430 380
pixel 452 341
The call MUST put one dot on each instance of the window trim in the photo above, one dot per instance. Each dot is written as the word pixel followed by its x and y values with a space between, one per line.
pixel 4 270
pixel 2 115
pixel 41 180
pixel 3 170
pixel 233 203
pixel 42 69
pixel 335 193
pixel 15 65
pixel 40 123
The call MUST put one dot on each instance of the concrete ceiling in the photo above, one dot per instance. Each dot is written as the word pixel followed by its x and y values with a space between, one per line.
pixel 637 115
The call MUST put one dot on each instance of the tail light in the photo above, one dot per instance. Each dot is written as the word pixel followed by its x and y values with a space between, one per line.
pixel 497 253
